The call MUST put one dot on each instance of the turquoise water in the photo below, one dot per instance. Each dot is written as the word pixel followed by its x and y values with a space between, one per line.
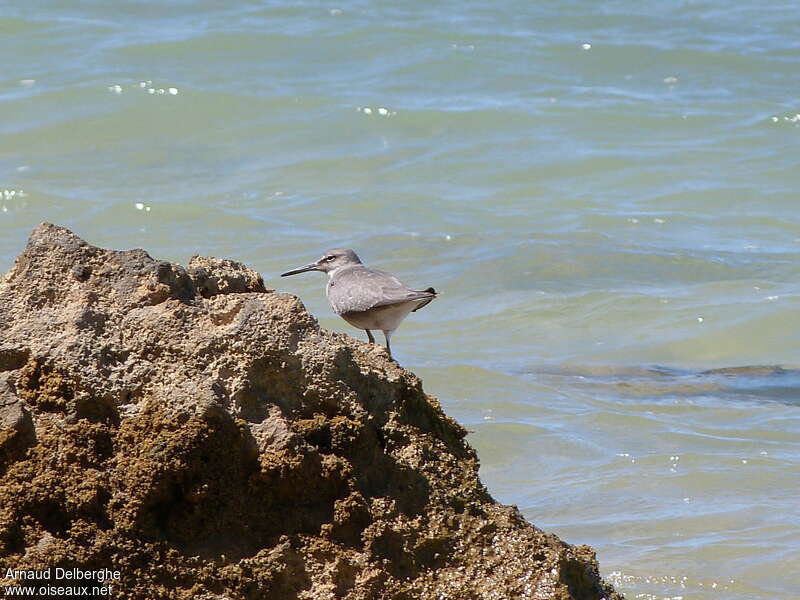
pixel 604 193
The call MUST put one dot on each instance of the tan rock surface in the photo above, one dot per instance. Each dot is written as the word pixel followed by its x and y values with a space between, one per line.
pixel 206 438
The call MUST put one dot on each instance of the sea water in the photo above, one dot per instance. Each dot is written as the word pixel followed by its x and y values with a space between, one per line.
pixel 604 193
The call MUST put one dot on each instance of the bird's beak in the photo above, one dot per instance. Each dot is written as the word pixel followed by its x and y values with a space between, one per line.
pixel 311 267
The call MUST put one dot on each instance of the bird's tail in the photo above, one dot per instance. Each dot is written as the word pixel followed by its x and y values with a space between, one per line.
pixel 433 293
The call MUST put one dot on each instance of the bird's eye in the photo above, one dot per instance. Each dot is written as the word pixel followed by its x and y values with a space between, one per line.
pixel 328 258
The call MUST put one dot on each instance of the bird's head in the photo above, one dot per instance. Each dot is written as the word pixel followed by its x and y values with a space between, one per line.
pixel 332 260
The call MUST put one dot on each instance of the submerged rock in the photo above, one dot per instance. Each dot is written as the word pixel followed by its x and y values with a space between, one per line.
pixel 204 437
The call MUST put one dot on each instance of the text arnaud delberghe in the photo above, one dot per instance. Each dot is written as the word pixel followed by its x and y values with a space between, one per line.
pixel 58 573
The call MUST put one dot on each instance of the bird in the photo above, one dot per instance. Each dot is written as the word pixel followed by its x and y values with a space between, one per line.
pixel 366 298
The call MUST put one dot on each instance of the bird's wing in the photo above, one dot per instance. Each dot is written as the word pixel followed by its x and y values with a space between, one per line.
pixel 359 289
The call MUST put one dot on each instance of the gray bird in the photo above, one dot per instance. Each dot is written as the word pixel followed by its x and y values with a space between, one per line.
pixel 366 298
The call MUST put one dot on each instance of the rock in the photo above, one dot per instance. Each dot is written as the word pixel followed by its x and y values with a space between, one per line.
pixel 16 425
pixel 213 276
pixel 204 437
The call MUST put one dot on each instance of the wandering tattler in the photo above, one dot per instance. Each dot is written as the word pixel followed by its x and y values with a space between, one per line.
pixel 366 298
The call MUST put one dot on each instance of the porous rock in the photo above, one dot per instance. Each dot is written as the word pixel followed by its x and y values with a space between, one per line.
pixel 203 436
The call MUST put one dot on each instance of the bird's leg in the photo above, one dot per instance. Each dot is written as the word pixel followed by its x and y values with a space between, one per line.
pixel 388 334
pixel 369 336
